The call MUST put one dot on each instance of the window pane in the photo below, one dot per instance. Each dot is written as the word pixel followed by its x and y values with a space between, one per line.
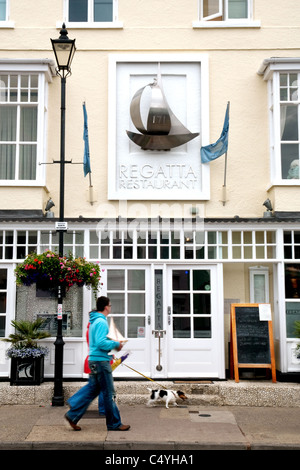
pixel 292 315
pixel 103 10
pixel 181 280
pixel 28 129
pixel 237 8
pixel 2 10
pixel 2 326
pixel 115 279
pixel 3 279
pixel 136 303
pixel 181 327
pixel 119 322
pixel 290 161
pixel 8 119
pixel 201 304
pixel 259 288
pixel 7 162
pixel 292 281
pixel 201 279
pixel 289 122
pixel 136 279
pixel 210 7
pixel 202 327
pixel 27 170
pixel 181 304
pixel 117 301
pixel 78 10
pixel 2 302
pixel 134 323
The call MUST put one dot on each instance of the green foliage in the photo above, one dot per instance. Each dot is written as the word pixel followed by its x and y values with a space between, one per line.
pixel 50 270
pixel 297 328
pixel 27 333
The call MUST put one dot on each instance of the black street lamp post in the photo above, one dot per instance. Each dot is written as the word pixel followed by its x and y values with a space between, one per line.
pixel 64 49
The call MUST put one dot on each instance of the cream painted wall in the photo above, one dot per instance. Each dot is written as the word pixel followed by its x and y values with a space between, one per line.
pixel 237 287
pixel 235 55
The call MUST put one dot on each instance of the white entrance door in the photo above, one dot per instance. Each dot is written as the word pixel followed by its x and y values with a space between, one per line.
pixel 172 317
pixel 7 313
pixel 129 291
pixel 195 326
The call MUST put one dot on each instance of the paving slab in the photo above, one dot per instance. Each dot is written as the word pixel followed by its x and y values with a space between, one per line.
pixel 193 428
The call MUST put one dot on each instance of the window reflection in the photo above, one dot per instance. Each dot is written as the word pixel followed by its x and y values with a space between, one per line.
pixel 292 281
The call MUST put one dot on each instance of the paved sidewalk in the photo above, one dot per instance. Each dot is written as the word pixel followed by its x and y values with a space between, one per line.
pixel 193 428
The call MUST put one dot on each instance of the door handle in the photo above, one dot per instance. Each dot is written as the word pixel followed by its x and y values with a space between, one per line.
pixel 159 334
pixel 169 315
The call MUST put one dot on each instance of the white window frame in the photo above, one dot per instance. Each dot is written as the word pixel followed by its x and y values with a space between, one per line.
pixel 7 23
pixel 259 271
pixel 44 68
pixel 271 70
pixel 206 22
pixel 115 23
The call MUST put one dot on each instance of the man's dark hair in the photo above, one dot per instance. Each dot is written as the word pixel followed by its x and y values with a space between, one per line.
pixel 102 302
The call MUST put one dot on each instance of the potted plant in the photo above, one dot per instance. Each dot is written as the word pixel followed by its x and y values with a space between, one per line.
pixel 49 270
pixel 27 357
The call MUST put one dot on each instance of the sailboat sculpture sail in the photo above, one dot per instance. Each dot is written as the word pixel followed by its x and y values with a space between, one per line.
pixel 164 130
pixel 114 332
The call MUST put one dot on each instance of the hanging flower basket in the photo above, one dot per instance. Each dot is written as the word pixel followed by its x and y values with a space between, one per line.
pixel 49 270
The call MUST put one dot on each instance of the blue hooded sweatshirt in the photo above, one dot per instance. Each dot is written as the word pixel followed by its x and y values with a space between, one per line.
pixel 99 344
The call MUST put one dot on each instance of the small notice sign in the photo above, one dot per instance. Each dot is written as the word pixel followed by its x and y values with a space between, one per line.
pixel 61 226
pixel 265 312
pixel 141 332
pixel 59 312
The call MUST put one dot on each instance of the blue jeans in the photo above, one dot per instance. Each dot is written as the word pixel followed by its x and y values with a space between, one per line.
pixel 82 394
pixel 100 380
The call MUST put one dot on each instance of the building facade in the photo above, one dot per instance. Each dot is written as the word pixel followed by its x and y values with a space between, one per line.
pixel 178 240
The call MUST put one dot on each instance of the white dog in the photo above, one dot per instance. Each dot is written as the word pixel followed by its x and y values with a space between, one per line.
pixel 168 396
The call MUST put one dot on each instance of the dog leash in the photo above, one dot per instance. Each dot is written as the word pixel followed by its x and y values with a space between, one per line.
pixel 148 378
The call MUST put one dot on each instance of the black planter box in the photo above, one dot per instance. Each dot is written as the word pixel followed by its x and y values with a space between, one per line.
pixel 27 371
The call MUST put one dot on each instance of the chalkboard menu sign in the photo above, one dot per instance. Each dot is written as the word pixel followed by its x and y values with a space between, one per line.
pixel 252 338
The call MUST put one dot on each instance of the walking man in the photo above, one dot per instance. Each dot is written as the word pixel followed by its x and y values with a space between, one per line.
pixel 100 378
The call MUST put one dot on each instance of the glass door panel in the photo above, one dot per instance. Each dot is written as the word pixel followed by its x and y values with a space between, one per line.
pixel 191 303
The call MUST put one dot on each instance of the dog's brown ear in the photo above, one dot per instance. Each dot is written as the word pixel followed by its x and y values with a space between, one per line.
pixel 181 395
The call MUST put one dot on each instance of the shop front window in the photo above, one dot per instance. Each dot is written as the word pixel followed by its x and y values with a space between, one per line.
pixel 292 296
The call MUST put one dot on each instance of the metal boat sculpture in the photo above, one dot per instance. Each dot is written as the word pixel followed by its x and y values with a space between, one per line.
pixel 164 131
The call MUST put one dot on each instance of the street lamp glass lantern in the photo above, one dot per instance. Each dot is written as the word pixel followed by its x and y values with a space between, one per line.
pixel 64 50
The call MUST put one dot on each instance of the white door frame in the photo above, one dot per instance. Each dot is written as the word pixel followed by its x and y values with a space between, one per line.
pixel 150 355
pixel 200 357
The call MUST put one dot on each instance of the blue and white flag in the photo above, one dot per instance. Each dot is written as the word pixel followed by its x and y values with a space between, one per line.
pixel 213 151
pixel 86 156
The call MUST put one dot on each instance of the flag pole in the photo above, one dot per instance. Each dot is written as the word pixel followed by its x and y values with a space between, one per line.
pixel 225 169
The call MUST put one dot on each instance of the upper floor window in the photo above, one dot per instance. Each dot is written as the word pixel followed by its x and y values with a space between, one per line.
pixel 4 15
pixel 283 77
pixel 3 10
pixel 23 110
pixel 91 13
pixel 289 123
pixel 18 126
pixel 215 13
